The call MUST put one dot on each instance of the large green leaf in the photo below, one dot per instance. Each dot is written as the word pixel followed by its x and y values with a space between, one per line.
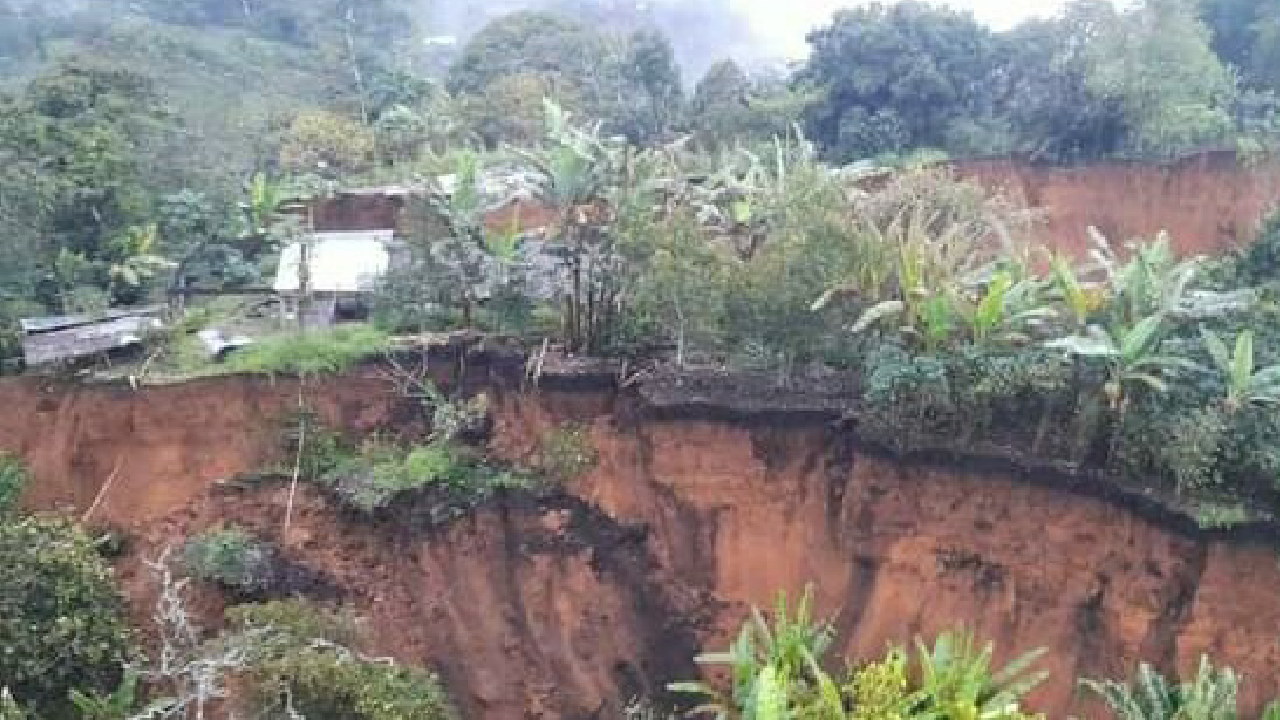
pixel 1140 338
pixel 1242 365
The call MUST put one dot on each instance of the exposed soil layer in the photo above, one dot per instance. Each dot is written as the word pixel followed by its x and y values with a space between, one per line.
pixel 1209 202
pixel 565 607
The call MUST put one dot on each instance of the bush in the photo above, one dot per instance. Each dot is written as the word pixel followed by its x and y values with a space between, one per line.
pixel 13 479
pixel 231 558
pixel 306 666
pixel 455 477
pixel 969 396
pixel 61 619
pixel 566 453
pixel 1260 262
pixel 311 352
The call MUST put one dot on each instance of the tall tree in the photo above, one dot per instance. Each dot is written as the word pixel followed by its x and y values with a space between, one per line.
pixel 1157 65
pixel 1245 34
pixel 527 42
pixel 650 68
pixel 1055 112
pixel 897 76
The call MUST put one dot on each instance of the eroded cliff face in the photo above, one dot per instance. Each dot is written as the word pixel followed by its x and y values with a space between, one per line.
pixel 1209 202
pixel 565 607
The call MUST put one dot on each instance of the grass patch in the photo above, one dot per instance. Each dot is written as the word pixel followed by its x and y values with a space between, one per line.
pixel 1217 516
pixel 311 352
pixel 452 478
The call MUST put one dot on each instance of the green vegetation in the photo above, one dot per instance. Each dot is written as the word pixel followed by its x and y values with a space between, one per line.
pixel 231 557
pixel 565 453
pixel 777 672
pixel 1210 695
pixel 13 480
pixel 452 477
pixel 304 666
pixel 776 669
pixel 62 624
pixel 311 352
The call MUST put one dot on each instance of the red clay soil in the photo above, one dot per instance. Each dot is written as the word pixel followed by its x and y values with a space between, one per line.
pixel 1209 202
pixel 567 608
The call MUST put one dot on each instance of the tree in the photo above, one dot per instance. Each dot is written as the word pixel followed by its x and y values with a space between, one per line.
pixel 527 42
pixel 61 619
pixel 897 76
pixel 326 142
pixel 730 107
pixel 74 172
pixel 1045 91
pixel 510 108
pixel 1244 36
pixel 576 171
pixel 1156 64
pixel 653 77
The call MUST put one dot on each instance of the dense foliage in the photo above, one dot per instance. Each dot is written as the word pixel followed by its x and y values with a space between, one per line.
pixel 304 666
pixel 62 622
pixel 230 557
pixel 13 480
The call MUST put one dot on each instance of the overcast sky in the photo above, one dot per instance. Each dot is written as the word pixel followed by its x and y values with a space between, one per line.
pixel 783 23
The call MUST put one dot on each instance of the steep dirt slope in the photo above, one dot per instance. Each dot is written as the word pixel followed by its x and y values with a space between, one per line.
pixel 562 608
pixel 1208 202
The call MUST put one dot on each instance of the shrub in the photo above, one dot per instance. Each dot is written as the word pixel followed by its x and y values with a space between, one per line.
pixel 13 479
pixel 566 453
pixel 1260 262
pixel 231 558
pixel 455 478
pixel 905 399
pixel 61 619
pixel 311 352
pixel 305 666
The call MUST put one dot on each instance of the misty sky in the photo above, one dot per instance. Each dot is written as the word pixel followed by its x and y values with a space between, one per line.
pixel 783 23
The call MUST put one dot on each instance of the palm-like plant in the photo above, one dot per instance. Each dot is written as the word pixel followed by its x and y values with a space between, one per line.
pixel 932 266
pixel 576 173
pixel 1210 696
pixel 1131 354
pixel 264 200
pixel 773 665
pixel 1079 299
pixel 1246 383
pixel 957 680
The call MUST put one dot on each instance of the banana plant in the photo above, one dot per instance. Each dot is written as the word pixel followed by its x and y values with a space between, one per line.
pixel 1154 281
pixel 958 682
pixel 1131 354
pixel 264 200
pixel 1006 310
pixel 1246 383
pixel 1210 696
pixel 1080 300
pixel 770 665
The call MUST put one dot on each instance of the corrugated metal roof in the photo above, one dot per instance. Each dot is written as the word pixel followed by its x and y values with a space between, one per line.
pixel 62 322
pixel 86 340
pixel 340 261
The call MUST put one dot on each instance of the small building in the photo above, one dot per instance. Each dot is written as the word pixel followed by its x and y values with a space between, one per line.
pixel 65 338
pixel 344 268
